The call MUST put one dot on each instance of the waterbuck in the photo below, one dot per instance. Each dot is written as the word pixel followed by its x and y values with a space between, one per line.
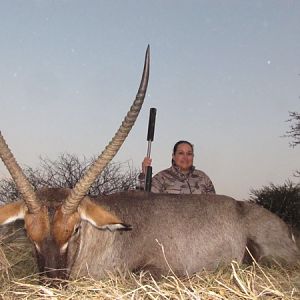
pixel 75 235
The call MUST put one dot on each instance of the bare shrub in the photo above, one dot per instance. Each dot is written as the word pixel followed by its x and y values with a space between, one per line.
pixel 65 172
pixel 283 200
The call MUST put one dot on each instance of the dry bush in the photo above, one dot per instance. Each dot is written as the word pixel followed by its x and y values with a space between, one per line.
pixel 66 171
pixel 20 281
pixel 4 263
pixel 282 199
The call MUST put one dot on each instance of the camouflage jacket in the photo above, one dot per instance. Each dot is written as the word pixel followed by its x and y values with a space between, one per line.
pixel 173 181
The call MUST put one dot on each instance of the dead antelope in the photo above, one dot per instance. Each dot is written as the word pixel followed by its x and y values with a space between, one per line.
pixel 74 235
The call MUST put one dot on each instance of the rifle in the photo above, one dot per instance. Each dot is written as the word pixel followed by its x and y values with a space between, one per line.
pixel 150 137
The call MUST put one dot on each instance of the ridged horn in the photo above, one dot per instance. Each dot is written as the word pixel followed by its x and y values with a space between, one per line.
pixel 21 181
pixel 82 187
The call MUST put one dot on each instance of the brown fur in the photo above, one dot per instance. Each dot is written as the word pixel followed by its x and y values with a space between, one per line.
pixel 11 210
pixel 96 213
pixel 63 226
pixel 37 225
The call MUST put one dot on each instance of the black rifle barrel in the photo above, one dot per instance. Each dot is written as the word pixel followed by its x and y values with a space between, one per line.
pixel 151 124
pixel 150 137
pixel 151 127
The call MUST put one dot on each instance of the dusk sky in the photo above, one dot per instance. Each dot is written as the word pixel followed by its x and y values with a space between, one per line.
pixel 224 75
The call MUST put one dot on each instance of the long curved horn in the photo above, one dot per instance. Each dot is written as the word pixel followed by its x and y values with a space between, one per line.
pixel 22 183
pixel 81 188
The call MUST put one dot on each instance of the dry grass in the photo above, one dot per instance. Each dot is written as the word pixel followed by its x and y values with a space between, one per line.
pixel 234 282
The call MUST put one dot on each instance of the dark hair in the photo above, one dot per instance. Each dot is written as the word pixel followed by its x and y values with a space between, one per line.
pixel 176 146
pixel 182 142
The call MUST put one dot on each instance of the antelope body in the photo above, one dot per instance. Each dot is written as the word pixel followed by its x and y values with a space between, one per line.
pixel 74 235
pixel 167 233
pixel 182 233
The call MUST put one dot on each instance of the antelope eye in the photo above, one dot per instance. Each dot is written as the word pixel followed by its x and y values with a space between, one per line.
pixel 76 229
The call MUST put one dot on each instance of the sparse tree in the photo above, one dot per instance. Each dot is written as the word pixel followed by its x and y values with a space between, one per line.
pixel 67 170
pixel 294 131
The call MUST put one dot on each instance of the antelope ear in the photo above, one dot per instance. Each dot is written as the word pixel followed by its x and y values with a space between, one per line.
pixel 99 217
pixel 115 227
pixel 12 212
